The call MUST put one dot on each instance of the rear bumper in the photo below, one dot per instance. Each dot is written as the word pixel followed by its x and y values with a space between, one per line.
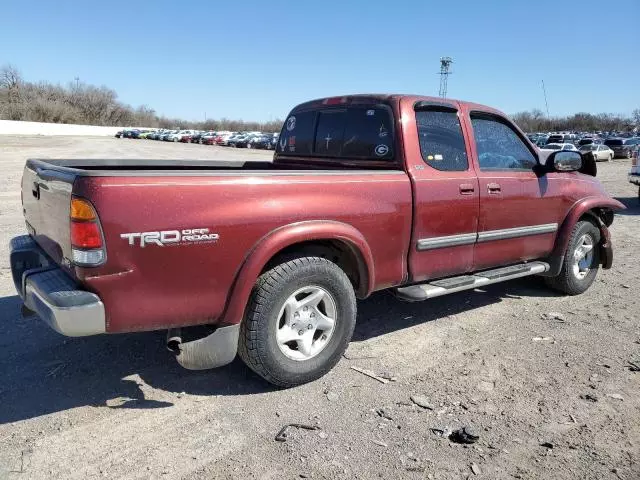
pixel 49 292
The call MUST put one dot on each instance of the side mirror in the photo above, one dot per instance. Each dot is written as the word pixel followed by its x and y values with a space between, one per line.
pixel 565 161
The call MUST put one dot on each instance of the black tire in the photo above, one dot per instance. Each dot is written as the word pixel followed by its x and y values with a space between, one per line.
pixel 567 281
pixel 257 345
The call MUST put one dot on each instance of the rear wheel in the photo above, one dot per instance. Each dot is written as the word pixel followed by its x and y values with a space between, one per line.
pixel 299 321
pixel 581 260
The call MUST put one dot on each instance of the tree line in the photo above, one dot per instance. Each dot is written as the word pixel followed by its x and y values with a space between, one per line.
pixel 80 103
pixel 537 121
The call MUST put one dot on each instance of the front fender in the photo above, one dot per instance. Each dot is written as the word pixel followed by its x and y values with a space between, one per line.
pixel 274 242
pixel 579 209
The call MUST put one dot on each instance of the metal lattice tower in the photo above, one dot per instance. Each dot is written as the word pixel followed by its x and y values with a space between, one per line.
pixel 445 63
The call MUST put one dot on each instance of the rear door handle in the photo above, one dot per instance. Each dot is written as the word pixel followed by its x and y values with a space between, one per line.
pixel 466 189
pixel 494 187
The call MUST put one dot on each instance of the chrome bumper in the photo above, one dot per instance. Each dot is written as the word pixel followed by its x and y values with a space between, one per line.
pixel 49 292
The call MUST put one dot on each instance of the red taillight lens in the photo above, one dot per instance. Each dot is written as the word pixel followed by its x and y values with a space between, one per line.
pixel 85 235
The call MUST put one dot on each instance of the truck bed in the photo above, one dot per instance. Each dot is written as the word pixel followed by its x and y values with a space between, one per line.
pixel 148 287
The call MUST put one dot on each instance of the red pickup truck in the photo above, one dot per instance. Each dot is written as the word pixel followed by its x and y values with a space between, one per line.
pixel 419 195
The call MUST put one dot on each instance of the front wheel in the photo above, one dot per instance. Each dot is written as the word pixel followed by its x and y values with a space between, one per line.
pixel 299 321
pixel 581 260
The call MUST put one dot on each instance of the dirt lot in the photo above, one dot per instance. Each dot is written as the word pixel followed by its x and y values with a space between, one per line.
pixel 551 396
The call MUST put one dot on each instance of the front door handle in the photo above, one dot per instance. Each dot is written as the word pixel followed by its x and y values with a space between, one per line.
pixel 494 187
pixel 466 189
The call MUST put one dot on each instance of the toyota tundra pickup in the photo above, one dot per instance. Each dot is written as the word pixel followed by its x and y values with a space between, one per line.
pixel 421 196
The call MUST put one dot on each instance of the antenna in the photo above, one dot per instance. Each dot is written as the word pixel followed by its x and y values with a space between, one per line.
pixel 445 63
pixel 544 91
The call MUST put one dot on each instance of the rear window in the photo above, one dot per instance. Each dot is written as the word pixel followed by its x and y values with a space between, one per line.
pixel 613 142
pixel 352 132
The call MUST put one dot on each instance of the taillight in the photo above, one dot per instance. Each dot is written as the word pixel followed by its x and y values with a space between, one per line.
pixel 335 100
pixel 87 246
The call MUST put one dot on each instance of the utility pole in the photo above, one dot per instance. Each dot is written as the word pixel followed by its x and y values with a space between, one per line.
pixel 544 91
pixel 77 79
pixel 445 63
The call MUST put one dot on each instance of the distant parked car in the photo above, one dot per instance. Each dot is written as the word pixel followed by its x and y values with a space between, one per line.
pixel 600 152
pixel 620 147
pixel 224 139
pixel 261 141
pixel 560 146
pixel 165 136
pixel 562 138
pixel 132 133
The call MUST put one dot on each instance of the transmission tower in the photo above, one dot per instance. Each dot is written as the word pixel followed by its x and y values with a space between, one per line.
pixel 445 63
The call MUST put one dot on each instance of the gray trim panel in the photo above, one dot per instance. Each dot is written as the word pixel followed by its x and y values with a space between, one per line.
pixel 449 241
pixel 516 232
pixel 486 236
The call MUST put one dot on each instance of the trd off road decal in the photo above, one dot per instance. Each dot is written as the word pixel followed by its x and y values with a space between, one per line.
pixel 165 238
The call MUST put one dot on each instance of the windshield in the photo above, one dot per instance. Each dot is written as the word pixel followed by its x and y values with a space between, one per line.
pixel 613 141
pixel 632 141
pixel 552 146
pixel 588 147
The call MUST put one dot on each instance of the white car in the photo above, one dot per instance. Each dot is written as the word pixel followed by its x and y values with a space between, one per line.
pixel 176 137
pixel 601 152
pixel 559 146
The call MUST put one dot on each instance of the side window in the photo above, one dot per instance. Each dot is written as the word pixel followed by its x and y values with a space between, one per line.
pixel 441 141
pixel 499 147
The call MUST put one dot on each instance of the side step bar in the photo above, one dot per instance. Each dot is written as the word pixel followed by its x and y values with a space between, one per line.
pixel 445 286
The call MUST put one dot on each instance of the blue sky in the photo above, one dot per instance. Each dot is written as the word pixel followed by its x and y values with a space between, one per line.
pixel 255 60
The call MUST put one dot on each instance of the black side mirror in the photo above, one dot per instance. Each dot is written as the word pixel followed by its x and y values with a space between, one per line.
pixel 565 161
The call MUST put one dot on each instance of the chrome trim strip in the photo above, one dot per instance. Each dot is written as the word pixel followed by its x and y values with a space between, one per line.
pixel 443 242
pixel 507 233
pixel 487 236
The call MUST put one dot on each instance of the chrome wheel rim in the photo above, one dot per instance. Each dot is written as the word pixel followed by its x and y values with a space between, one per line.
pixel 583 256
pixel 306 323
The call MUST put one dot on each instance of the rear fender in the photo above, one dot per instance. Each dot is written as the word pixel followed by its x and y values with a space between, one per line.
pixel 587 206
pixel 273 243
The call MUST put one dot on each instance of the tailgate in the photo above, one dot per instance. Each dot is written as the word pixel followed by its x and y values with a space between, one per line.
pixel 46 198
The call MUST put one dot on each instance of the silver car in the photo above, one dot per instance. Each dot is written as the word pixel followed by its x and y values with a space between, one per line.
pixel 601 152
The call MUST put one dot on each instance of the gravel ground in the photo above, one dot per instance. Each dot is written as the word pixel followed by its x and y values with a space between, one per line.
pixel 544 380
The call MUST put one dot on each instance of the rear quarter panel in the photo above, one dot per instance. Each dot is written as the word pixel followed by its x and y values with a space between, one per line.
pixel 166 286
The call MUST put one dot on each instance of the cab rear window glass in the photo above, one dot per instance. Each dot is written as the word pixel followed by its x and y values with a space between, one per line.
pixel 352 132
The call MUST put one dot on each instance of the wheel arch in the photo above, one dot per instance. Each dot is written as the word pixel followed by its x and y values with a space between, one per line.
pixel 330 239
pixel 599 210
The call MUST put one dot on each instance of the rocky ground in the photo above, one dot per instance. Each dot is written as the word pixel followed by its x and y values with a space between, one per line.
pixel 547 383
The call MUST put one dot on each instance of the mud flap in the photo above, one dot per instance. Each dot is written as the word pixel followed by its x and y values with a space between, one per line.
pixel 212 351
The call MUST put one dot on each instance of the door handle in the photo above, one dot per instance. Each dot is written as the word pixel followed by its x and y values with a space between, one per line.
pixel 494 187
pixel 466 188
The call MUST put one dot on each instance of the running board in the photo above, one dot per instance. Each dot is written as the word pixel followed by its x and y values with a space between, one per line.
pixel 445 286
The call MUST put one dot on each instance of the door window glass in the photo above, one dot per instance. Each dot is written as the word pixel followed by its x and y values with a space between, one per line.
pixel 499 147
pixel 441 141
